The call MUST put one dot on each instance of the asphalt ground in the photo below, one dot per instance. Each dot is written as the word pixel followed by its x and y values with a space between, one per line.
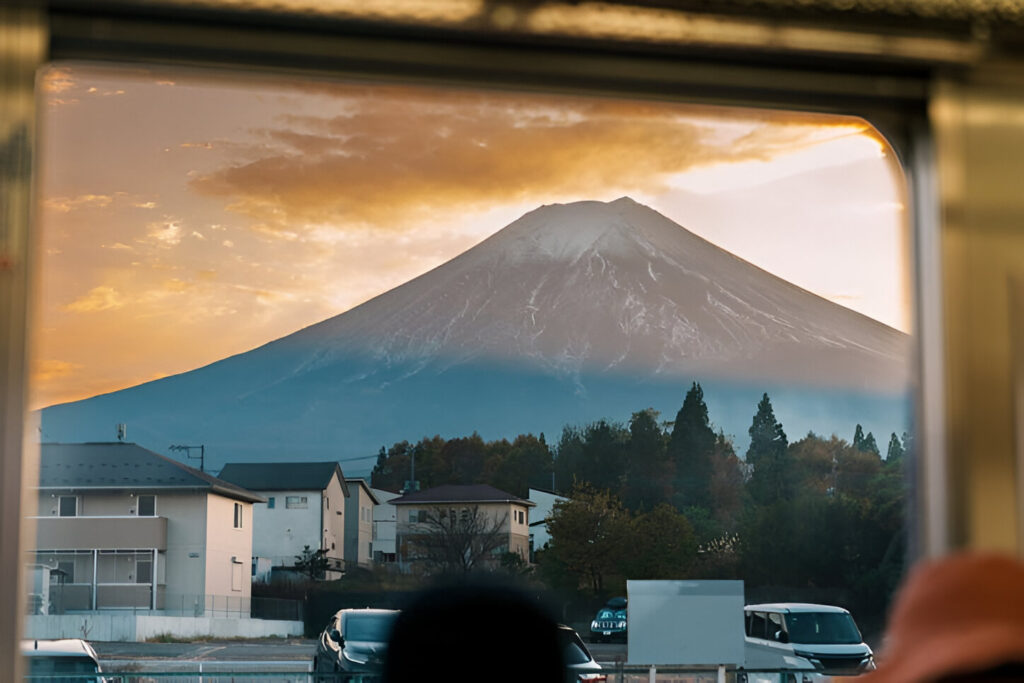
pixel 270 650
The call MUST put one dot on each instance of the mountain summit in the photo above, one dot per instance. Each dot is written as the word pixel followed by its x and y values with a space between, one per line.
pixel 573 312
pixel 597 287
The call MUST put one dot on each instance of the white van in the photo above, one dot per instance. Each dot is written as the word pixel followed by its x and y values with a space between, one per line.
pixel 71 660
pixel 824 635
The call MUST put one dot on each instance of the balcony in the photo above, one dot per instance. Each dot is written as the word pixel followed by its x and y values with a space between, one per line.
pixel 101 533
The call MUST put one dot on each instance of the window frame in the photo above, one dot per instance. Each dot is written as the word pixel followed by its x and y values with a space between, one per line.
pixel 138 504
pixel 77 505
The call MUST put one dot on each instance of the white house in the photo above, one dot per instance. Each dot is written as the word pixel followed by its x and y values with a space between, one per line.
pixel 385 527
pixel 305 506
pixel 545 503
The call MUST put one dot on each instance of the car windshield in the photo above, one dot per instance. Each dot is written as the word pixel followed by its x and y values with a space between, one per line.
pixel 372 628
pixel 573 649
pixel 61 666
pixel 818 628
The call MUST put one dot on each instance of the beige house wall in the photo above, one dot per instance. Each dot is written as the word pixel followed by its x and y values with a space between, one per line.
pixel 359 524
pixel 335 515
pixel 506 514
pixel 229 549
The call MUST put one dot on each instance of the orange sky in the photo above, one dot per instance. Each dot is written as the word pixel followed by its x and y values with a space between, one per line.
pixel 186 218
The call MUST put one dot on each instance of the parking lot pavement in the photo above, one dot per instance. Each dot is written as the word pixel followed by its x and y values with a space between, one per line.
pixel 606 654
pixel 228 650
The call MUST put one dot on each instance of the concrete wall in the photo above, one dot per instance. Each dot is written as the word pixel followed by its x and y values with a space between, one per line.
pixel 182 569
pixel 140 627
pixel 279 533
pixel 229 549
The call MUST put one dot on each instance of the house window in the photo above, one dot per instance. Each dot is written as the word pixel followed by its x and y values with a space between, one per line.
pixel 413 516
pixel 68 506
pixel 296 502
pixel 67 571
pixel 236 574
pixel 145 506
pixel 327 502
pixel 238 515
pixel 270 503
pixel 144 570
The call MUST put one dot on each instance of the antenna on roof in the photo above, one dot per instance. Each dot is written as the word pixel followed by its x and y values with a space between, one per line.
pixel 188 453
pixel 122 431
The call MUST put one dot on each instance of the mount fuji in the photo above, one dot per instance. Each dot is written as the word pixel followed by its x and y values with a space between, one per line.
pixel 571 313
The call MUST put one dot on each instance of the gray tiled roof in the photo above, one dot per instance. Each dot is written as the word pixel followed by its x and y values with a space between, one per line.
pixel 120 465
pixel 460 493
pixel 283 476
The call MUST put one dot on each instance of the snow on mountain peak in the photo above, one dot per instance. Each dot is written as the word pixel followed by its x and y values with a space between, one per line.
pixel 564 232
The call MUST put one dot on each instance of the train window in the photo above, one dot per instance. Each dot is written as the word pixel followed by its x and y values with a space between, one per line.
pixel 681 332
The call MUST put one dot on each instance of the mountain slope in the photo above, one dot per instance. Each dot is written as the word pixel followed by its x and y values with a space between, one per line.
pixel 570 310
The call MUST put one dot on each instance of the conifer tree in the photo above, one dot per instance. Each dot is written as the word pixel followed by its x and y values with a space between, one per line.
pixel 768 455
pixel 691 449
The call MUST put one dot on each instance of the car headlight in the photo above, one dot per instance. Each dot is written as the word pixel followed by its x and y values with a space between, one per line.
pixel 810 657
pixel 868 663
pixel 353 657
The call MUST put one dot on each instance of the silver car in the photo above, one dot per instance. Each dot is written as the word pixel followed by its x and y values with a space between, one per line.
pixel 354 642
pixel 580 665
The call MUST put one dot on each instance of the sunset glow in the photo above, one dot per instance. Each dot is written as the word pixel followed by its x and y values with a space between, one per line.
pixel 185 218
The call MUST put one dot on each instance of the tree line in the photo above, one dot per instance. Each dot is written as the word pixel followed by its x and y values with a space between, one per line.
pixel 650 499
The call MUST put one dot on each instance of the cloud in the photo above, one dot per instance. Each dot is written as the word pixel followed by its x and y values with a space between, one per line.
pixel 52 368
pixel 102 298
pixel 167 233
pixel 390 160
pixel 197 145
pixel 145 205
pixel 119 246
pixel 68 204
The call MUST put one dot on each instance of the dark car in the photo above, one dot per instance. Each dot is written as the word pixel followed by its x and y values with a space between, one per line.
pixel 354 642
pixel 580 665
pixel 610 622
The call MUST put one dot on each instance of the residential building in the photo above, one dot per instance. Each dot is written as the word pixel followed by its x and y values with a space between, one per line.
pixel 385 527
pixel 475 509
pixel 545 503
pixel 305 506
pixel 359 523
pixel 120 526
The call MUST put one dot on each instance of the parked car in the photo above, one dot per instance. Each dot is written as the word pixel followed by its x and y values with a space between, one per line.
pixel 355 641
pixel 610 622
pixel 71 660
pixel 579 663
pixel 824 635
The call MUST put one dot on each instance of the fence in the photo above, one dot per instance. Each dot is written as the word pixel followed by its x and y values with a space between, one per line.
pixel 300 672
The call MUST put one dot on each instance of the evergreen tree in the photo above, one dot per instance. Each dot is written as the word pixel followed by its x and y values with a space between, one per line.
pixel 858 437
pixel 895 451
pixel 869 445
pixel 648 471
pixel 691 449
pixel 768 455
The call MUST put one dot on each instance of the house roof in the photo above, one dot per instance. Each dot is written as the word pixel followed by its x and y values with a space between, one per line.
pixel 460 493
pixel 120 465
pixel 366 485
pixel 284 476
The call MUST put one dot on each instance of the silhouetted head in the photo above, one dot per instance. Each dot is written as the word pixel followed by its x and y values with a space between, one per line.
pixel 472 632
pixel 957 619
